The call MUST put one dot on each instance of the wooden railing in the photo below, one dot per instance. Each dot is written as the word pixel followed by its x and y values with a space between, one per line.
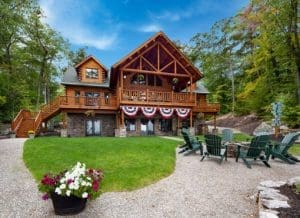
pixel 102 102
pixel 37 122
pixel 23 114
pixel 147 97
pixel 213 107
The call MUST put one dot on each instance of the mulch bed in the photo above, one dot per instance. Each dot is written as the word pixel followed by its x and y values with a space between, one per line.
pixel 294 202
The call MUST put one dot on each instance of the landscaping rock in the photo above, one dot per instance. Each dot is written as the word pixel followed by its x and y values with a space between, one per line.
pixel 273 204
pixel 272 184
pixel 293 181
pixel 268 214
pixel 263 129
pixel 272 194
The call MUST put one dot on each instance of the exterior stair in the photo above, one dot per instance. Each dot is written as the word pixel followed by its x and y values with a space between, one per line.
pixel 26 120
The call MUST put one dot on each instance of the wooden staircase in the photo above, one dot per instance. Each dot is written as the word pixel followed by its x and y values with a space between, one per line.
pixel 26 120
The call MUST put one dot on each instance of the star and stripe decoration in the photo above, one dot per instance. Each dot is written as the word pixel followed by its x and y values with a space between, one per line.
pixel 130 110
pixel 150 111
pixel 182 112
pixel 166 112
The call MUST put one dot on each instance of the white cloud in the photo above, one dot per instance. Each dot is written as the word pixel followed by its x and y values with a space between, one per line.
pixel 150 28
pixel 72 20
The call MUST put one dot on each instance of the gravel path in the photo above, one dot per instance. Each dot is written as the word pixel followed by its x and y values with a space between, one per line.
pixel 195 189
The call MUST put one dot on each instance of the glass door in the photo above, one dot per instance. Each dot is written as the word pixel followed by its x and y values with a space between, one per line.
pixel 93 127
pixel 147 127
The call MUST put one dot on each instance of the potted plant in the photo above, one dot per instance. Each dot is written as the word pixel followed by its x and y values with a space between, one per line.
pixel 70 189
pixel 31 134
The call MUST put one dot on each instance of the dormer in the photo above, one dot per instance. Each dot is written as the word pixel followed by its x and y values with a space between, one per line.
pixel 90 70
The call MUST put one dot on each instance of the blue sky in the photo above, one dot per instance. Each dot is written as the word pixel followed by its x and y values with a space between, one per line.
pixel 113 28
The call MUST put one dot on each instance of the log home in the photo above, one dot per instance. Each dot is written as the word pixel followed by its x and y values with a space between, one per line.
pixel 151 91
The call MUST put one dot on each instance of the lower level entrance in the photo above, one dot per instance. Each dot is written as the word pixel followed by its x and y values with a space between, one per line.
pixel 93 127
pixel 147 127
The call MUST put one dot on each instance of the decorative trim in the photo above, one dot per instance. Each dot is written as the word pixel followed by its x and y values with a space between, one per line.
pixel 183 112
pixel 130 110
pixel 148 111
pixel 166 112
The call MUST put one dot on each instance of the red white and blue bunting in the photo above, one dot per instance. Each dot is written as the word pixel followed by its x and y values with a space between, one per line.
pixel 183 112
pixel 166 112
pixel 148 111
pixel 130 110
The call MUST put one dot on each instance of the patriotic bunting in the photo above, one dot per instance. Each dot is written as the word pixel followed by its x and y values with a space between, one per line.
pixel 166 112
pixel 148 111
pixel 183 112
pixel 130 110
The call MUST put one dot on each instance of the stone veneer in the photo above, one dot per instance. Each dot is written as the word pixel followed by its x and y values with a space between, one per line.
pixel 76 124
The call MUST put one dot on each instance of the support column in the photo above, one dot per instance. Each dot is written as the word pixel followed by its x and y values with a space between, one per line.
pixel 192 129
pixel 121 131
pixel 215 130
pixel 64 130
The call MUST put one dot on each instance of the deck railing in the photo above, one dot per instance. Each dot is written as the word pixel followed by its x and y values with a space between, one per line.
pixel 148 97
pixel 103 102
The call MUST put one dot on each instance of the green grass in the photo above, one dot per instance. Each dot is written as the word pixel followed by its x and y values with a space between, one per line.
pixel 237 137
pixel 298 188
pixel 295 149
pixel 128 163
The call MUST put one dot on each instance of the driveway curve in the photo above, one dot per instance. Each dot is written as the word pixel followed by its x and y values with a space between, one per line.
pixel 195 189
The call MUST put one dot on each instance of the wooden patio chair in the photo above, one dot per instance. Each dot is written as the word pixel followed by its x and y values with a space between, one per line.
pixel 259 148
pixel 192 144
pixel 280 150
pixel 215 147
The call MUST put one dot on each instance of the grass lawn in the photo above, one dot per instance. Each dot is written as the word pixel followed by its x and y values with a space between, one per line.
pixel 128 163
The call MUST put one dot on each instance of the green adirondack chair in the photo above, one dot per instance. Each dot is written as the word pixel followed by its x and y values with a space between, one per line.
pixel 227 135
pixel 192 144
pixel 184 146
pixel 215 147
pixel 280 150
pixel 254 151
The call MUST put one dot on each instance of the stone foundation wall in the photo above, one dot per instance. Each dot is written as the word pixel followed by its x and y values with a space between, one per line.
pixel 76 124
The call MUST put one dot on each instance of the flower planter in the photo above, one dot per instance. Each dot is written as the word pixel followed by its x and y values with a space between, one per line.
pixel 31 136
pixel 64 205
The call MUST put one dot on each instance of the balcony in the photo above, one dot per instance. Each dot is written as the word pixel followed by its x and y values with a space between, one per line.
pixel 157 98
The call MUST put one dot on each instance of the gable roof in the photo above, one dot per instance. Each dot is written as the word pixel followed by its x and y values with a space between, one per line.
pixel 70 78
pixel 88 58
pixel 161 37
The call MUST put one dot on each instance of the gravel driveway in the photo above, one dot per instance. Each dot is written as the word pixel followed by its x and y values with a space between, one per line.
pixel 195 189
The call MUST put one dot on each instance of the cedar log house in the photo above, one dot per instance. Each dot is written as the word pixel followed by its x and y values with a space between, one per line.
pixel 151 91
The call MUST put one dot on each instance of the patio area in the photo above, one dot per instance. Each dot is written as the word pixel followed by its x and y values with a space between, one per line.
pixel 195 189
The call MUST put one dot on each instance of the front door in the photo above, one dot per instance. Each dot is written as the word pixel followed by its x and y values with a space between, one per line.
pixel 93 127
pixel 147 127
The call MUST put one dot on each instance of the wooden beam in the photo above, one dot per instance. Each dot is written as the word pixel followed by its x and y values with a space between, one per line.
pixel 158 57
pixel 162 69
pixel 166 50
pixel 155 73
pixel 149 48
pixel 154 68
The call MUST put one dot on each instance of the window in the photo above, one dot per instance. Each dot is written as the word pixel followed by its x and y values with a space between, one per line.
pixel 91 73
pixel 130 124
pixel 165 125
pixel 146 79
pixel 77 96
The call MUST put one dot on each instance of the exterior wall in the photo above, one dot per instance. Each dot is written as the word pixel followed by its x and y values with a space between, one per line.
pixel 92 64
pixel 76 124
pixel 157 128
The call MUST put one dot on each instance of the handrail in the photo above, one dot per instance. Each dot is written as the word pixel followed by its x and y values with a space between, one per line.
pixel 157 96
pixel 18 119
pixel 37 121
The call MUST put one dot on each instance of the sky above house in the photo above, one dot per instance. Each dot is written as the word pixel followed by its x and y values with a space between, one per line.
pixel 113 28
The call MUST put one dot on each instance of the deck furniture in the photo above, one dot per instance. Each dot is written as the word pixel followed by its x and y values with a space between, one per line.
pixel 215 147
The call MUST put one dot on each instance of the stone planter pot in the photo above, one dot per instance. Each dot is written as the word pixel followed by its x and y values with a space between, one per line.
pixel 12 135
pixel 31 136
pixel 64 205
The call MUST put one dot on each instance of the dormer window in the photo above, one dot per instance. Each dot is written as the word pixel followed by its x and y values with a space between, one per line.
pixel 91 73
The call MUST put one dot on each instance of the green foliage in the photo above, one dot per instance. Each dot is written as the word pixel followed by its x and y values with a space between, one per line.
pixel 260 48
pixel 127 163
